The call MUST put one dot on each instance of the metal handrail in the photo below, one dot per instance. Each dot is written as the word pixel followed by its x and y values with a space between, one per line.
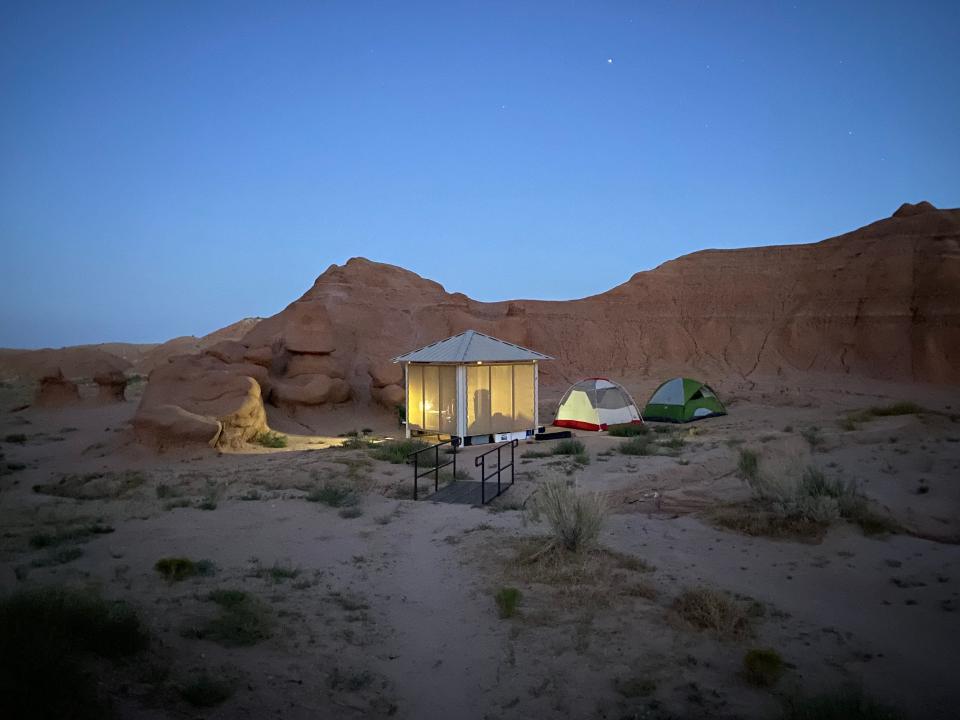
pixel 481 462
pixel 452 442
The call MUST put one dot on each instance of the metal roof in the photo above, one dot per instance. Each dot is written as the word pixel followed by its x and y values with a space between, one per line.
pixel 471 346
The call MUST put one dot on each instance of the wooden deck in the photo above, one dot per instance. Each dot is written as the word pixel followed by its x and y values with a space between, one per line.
pixel 465 492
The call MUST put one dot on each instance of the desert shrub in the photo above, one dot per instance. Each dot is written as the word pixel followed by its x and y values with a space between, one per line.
pixel 334 492
pixel 674 442
pixel 396 451
pixel 842 704
pixel 47 636
pixel 762 667
pixel 582 458
pixel 639 445
pixel 175 569
pixel 532 454
pixel 575 519
pixel 355 442
pixel 849 423
pixel 93 486
pixel 17 438
pixel 900 408
pixel 351 512
pixel 708 609
pixel 569 447
pixel 207 503
pixel 82 533
pixel 251 494
pixel 507 599
pixel 748 465
pixel 228 598
pixel 206 691
pixel 271 439
pixel 276 573
pixel 627 430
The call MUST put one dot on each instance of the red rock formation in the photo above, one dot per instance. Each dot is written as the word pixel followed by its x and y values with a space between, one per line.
pixel 111 386
pixel 881 302
pixel 54 390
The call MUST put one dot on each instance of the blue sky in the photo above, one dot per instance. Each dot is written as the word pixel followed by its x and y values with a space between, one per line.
pixel 167 168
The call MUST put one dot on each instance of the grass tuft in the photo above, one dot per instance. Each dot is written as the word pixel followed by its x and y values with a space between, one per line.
pixel 271 439
pixel 575 519
pixel 708 609
pixel 396 451
pixel 748 465
pixel 507 599
pixel 639 445
pixel 175 569
pixel 569 447
pixel 627 430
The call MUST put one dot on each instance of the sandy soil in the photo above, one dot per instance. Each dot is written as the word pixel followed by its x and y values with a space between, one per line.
pixel 391 613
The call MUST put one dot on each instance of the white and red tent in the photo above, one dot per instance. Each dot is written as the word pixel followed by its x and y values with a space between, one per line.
pixel 595 404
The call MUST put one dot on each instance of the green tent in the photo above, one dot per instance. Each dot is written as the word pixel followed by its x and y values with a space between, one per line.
pixel 683 400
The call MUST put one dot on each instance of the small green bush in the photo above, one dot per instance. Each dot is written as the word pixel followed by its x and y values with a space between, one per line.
pixel 228 598
pixel 334 493
pixel 351 512
pixel 762 667
pixel 77 534
pixel 639 445
pixel 396 451
pixel 900 408
pixel 507 599
pixel 175 569
pixel 164 491
pixel 708 609
pixel 17 438
pixel 748 465
pixel 569 447
pixel 271 439
pixel 627 430
pixel 206 692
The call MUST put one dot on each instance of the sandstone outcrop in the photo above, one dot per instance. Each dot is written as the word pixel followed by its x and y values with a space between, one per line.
pixel 54 390
pixel 881 302
pixel 111 385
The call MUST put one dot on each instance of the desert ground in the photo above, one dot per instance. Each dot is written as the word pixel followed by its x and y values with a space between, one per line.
pixel 318 587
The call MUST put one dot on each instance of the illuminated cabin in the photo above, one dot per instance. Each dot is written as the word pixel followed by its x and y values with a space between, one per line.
pixel 473 387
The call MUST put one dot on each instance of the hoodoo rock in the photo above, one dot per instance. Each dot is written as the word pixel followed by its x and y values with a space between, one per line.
pixel 200 398
pixel 881 302
pixel 54 390
pixel 111 386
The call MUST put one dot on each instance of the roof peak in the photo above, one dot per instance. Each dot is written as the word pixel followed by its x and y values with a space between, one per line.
pixel 471 346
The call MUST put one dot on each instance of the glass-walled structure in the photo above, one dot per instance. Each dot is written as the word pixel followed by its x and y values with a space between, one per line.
pixel 472 386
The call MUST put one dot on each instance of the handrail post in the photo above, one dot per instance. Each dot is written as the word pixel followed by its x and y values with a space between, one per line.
pixel 416 472
pixel 483 479
pixel 512 458
pixel 499 465
pixel 436 467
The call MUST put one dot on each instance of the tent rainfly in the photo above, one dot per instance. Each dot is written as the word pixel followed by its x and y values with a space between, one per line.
pixel 683 400
pixel 595 404
pixel 473 387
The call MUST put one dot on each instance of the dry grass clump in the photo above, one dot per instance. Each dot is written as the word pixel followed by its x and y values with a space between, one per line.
pixel 396 451
pixel 575 519
pixel 242 620
pixel 627 430
pixel 748 464
pixel 785 503
pixel 94 486
pixel 638 445
pixel 206 691
pixel 708 609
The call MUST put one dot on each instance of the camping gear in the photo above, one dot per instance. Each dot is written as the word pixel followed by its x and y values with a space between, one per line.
pixel 682 400
pixel 474 387
pixel 595 404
